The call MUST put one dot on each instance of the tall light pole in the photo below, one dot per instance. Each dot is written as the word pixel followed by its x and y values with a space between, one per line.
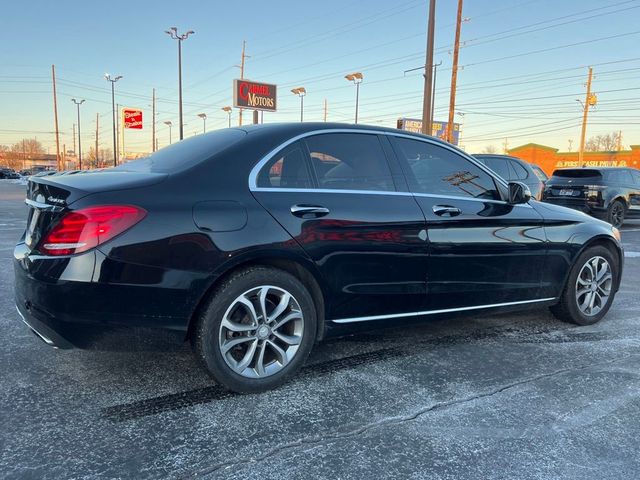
pixel 203 116
pixel 113 109
pixel 301 92
pixel 356 77
pixel 168 122
pixel 228 110
pixel 78 103
pixel 173 33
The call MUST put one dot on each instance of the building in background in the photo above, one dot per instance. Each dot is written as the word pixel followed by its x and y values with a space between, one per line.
pixel 550 159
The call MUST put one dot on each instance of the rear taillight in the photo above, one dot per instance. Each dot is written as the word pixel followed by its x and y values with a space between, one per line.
pixel 84 229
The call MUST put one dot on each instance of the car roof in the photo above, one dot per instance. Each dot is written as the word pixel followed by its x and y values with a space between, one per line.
pixel 299 128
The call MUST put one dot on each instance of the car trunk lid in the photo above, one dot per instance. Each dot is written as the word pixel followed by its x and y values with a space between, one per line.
pixel 50 197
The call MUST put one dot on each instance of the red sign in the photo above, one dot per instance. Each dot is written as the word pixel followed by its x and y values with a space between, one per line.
pixel 132 118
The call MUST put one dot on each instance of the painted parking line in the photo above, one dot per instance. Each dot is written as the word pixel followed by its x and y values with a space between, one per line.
pixel 629 254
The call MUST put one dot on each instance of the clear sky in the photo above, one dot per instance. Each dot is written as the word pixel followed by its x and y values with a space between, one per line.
pixel 524 64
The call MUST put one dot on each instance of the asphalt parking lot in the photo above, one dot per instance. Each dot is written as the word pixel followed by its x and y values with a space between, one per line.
pixel 491 396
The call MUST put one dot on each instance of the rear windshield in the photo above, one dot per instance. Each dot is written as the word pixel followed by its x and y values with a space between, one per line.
pixel 577 173
pixel 187 153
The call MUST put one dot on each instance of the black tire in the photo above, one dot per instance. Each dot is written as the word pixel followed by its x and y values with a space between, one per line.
pixel 209 333
pixel 567 308
pixel 616 213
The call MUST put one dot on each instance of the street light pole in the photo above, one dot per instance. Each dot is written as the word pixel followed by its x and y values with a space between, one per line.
pixel 301 92
pixel 203 116
pixel 78 103
pixel 113 109
pixel 173 33
pixel 168 122
pixel 356 77
pixel 228 110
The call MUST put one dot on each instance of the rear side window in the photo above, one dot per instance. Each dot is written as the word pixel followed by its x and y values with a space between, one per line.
pixel 521 172
pixel 539 173
pixel 349 161
pixel 618 176
pixel 439 171
pixel 288 169
pixel 186 153
pixel 500 166
pixel 636 177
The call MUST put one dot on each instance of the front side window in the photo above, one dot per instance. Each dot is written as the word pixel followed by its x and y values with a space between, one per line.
pixel 437 170
pixel 288 169
pixel 349 161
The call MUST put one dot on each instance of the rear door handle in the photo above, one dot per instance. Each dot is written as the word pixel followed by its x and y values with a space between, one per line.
pixel 446 211
pixel 309 210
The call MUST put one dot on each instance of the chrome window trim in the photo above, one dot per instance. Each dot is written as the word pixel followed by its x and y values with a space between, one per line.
pixel 384 192
pixel 434 312
pixel 253 176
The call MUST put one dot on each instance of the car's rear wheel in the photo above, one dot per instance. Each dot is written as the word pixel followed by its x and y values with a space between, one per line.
pixel 616 213
pixel 590 288
pixel 257 330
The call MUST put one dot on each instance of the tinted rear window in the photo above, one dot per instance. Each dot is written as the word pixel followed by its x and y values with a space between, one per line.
pixel 577 173
pixel 187 153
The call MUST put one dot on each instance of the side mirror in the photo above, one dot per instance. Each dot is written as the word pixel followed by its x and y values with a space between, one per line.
pixel 518 193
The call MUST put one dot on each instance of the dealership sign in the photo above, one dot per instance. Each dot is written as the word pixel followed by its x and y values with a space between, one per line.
pixel 254 95
pixel 438 128
pixel 132 118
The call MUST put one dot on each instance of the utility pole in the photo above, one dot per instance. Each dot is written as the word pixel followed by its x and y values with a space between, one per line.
pixel 153 121
pixel 570 144
pixel 427 102
pixel 55 116
pixel 78 103
pixel 97 130
pixel 454 75
pixel 620 140
pixel 113 113
pixel 325 110
pixel 244 44
pixel 505 146
pixel 74 140
pixel 587 104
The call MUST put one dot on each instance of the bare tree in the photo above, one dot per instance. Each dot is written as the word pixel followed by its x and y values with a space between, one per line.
pixel 490 149
pixel 602 143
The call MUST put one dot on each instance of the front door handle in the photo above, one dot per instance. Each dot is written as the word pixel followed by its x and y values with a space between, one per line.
pixel 309 211
pixel 446 211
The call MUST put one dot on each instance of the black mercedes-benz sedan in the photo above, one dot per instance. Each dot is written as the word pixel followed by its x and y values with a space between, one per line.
pixel 254 243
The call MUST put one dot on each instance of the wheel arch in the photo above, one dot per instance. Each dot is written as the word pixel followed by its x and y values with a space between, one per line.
pixel 609 243
pixel 299 268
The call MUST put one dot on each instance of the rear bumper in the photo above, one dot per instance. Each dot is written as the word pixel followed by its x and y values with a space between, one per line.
pixel 90 301
pixel 578 204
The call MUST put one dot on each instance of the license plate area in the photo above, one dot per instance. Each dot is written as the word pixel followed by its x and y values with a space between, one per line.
pixel 566 192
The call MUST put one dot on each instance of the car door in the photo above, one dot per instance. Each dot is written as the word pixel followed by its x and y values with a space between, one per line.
pixel 336 194
pixel 482 250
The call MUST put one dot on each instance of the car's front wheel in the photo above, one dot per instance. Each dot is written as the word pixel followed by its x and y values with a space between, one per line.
pixel 590 288
pixel 257 330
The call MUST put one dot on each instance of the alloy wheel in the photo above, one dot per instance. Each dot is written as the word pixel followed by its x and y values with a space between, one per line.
pixel 593 286
pixel 617 215
pixel 261 331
